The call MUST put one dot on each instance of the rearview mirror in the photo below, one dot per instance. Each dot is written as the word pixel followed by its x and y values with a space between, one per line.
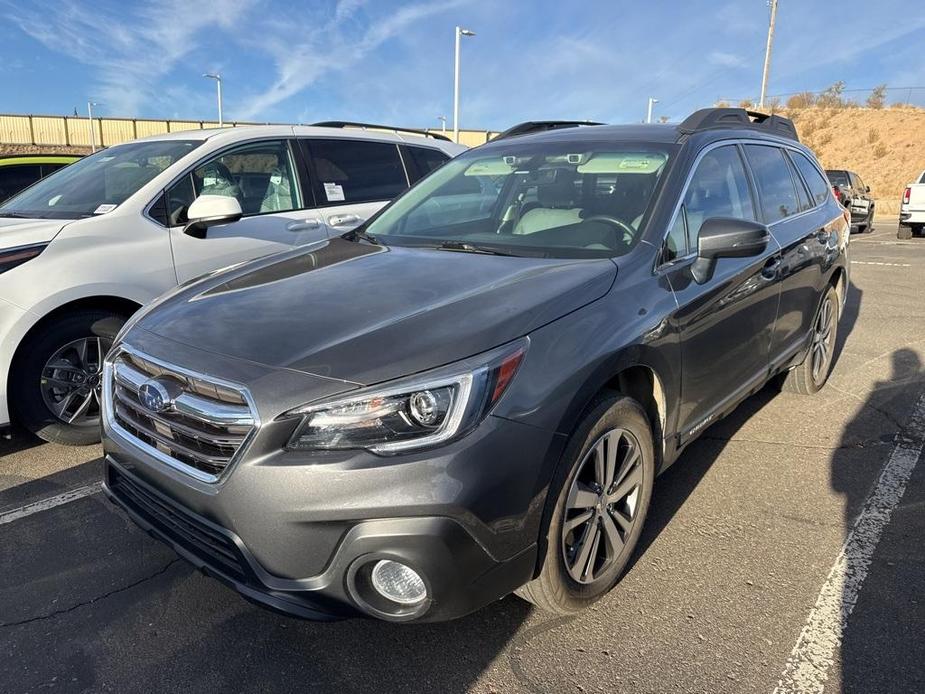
pixel 211 210
pixel 727 237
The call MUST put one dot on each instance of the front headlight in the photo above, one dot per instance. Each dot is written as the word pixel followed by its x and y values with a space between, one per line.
pixel 417 412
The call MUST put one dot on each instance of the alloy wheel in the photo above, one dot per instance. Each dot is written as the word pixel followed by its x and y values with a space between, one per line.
pixel 601 508
pixel 71 379
pixel 823 343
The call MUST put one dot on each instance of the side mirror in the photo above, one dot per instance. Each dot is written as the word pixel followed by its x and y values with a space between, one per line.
pixel 727 237
pixel 209 211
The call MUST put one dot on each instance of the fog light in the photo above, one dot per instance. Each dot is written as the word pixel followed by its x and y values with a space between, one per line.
pixel 398 583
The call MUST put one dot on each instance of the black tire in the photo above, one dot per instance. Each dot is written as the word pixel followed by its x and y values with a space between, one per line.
pixel 555 590
pixel 904 233
pixel 805 379
pixel 28 374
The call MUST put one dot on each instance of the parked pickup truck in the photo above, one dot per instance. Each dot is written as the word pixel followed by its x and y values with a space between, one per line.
pixel 912 211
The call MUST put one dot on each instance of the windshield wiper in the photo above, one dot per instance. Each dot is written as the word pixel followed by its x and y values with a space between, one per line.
pixel 16 215
pixel 470 248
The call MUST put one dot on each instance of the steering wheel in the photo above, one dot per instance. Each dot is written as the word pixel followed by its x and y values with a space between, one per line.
pixel 616 225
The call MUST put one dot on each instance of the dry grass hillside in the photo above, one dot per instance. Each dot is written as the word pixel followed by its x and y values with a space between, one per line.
pixel 886 147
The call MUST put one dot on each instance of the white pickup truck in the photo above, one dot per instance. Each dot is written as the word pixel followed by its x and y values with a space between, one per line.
pixel 912 210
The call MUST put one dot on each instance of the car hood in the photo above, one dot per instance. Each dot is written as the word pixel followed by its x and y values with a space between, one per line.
pixel 368 313
pixel 26 232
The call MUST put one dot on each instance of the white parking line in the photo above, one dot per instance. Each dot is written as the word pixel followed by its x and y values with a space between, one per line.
pixel 49 502
pixel 871 262
pixel 807 668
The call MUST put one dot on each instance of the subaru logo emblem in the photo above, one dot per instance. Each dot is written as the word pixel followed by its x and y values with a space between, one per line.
pixel 154 396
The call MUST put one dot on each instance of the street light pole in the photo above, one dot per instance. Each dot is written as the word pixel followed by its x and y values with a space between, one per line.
pixel 767 53
pixel 460 32
pixel 652 103
pixel 442 120
pixel 218 87
pixel 90 105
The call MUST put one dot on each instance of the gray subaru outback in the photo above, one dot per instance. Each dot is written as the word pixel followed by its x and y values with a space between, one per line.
pixel 472 394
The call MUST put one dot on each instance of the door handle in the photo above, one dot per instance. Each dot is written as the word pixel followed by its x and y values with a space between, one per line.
pixel 339 220
pixel 770 269
pixel 303 225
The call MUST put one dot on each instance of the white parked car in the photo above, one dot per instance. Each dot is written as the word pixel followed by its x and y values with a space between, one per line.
pixel 912 209
pixel 81 250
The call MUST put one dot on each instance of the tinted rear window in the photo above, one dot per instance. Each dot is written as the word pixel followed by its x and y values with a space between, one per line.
pixel 427 160
pixel 817 184
pixel 775 184
pixel 354 171
pixel 14 178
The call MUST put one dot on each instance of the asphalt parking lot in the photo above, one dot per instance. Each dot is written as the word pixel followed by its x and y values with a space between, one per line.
pixel 739 583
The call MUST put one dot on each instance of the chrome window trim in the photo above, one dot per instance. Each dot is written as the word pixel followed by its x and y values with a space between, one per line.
pixel 128 439
pixel 687 181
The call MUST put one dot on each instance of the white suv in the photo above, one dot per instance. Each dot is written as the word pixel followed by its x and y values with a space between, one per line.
pixel 81 250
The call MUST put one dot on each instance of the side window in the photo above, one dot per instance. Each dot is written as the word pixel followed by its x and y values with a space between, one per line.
pixel 676 242
pixel 178 199
pixel 818 186
pixel 802 194
pixel 14 178
pixel 775 184
pixel 426 160
pixel 356 171
pixel 860 183
pixel 260 175
pixel 718 188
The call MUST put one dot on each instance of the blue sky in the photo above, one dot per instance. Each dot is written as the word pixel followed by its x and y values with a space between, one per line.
pixel 390 61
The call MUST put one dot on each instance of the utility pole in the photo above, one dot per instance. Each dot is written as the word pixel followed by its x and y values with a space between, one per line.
pixel 652 103
pixel 767 54
pixel 460 32
pixel 90 105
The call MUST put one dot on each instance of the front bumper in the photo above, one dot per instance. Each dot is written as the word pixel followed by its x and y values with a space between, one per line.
pixel 460 574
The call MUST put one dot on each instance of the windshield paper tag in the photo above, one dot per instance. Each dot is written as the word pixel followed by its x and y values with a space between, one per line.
pixel 334 192
pixel 103 209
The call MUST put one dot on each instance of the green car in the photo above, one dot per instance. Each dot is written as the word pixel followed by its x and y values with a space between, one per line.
pixel 20 171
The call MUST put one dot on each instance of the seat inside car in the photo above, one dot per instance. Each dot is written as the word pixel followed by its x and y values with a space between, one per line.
pixel 555 205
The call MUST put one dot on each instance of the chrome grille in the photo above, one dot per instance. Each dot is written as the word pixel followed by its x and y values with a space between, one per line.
pixel 203 429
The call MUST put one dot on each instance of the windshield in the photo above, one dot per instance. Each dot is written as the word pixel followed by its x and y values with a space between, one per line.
pixel 565 199
pixel 98 183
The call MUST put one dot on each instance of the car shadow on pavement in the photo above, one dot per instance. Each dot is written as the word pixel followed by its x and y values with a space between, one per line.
pixel 15 439
pixel 882 648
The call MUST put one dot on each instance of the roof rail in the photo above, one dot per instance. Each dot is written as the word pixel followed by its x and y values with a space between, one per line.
pixel 707 118
pixel 374 126
pixel 537 126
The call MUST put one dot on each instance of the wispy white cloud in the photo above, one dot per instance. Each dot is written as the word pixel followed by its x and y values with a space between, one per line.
pixel 726 59
pixel 332 47
pixel 130 51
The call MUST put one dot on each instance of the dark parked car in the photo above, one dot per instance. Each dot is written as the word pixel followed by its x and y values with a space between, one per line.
pixel 851 192
pixel 19 171
pixel 472 393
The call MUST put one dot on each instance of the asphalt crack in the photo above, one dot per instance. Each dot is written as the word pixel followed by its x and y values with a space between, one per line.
pixel 98 598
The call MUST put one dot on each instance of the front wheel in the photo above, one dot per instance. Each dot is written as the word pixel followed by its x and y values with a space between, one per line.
pixel 604 490
pixel 55 382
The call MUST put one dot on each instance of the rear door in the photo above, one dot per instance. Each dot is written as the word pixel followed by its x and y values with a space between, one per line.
pixel 797 219
pixel 725 323
pixel 264 176
pixel 353 179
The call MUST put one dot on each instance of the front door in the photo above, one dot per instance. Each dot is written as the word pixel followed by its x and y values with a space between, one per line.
pixel 724 324
pixel 263 177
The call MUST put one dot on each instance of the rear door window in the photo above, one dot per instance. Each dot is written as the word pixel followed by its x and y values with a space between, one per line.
pixel 348 171
pixel 424 160
pixel 802 194
pixel 818 186
pixel 775 184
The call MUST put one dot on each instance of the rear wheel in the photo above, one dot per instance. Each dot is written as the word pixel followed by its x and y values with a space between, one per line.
pixel 904 233
pixel 55 382
pixel 603 497
pixel 811 375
